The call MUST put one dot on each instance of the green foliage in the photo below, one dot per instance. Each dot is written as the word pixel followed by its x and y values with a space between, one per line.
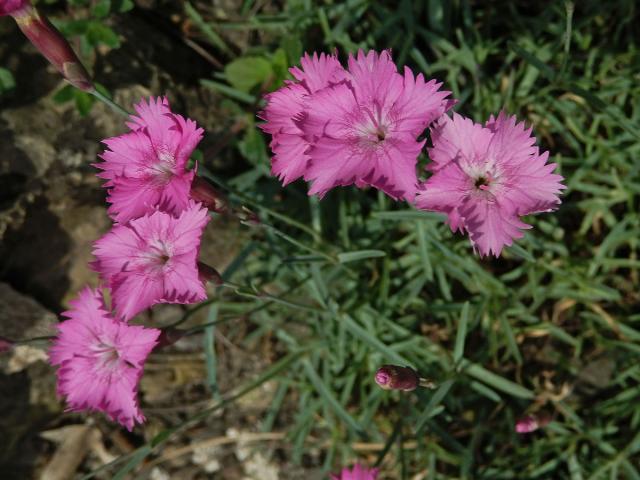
pixel 7 82
pixel 83 101
pixel 248 72
pixel 90 28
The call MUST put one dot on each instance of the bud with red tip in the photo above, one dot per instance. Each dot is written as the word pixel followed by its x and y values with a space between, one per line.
pixel 207 273
pixel 168 336
pixel 202 191
pixel 49 41
pixel 531 423
pixel 249 218
pixel 393 377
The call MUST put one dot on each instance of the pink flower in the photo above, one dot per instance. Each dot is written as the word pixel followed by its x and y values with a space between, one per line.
pixel 285 107
pixel 153 259
pixel 486 177
pixel 100 360
pixel 338 127
pixel 357 473
pixel 146 168
pixel 366 130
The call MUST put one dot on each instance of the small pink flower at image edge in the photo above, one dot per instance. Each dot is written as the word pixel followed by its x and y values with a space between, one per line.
pixel 358 472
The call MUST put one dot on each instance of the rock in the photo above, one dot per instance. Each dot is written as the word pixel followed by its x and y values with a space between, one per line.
pixel 22 317
pixel 27 383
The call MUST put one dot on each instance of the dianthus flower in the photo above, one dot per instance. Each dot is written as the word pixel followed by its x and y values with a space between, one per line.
pixel 359 126
pixel 486 177
pixel 285 107
pixel 153 259
pixel 146 168
pixel 100 359
pixel 357 473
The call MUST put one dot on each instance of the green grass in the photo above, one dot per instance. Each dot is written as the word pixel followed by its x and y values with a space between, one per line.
pixel 357 280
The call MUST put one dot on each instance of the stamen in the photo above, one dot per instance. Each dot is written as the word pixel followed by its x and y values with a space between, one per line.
pixel 481 182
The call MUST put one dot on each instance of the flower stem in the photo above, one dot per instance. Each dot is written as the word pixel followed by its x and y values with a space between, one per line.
pixel 110 103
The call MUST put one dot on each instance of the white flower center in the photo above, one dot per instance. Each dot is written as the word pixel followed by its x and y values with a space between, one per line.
pixel 108 357
pixel 159 254
pixel 484 177
pixel 163 169
pixel 374 129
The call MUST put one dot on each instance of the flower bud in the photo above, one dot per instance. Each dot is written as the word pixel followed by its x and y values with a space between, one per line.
pixel 393 377
pixel 202 191
pixel 531 423
pixel 49 41
pixel 249 218
pixel 207 273
pixel 168 336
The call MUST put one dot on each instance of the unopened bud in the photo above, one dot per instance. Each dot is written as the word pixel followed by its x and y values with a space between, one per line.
pixel 393 377
pixel 169 336
pixel 531 423
pixel 207 273
pixel 50 43
pixel 249 218
pixel 202 191
pixel 6 345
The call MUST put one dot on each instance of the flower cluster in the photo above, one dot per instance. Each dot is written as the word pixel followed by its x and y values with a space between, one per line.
pixel 363 125
pixel 360 125
pixel 149 256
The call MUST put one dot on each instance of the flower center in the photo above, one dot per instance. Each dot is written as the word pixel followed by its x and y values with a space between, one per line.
pixel 108 357
pixel 481 182
pixel 372 126
pixel 162 170
pixel 158 255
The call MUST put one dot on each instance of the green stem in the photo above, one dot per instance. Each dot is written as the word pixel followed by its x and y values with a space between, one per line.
pixel 264 296
pixel 294 223
pixel 110 103
pixel 27 341
pixel 265 303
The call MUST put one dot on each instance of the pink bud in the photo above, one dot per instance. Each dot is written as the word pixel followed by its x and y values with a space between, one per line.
pixel 50 42
pixel 531 423
pixel 249 218
pixel 393 377
pixel 168 336
pixel 5 345
pixel 207 273
pixel 202 191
